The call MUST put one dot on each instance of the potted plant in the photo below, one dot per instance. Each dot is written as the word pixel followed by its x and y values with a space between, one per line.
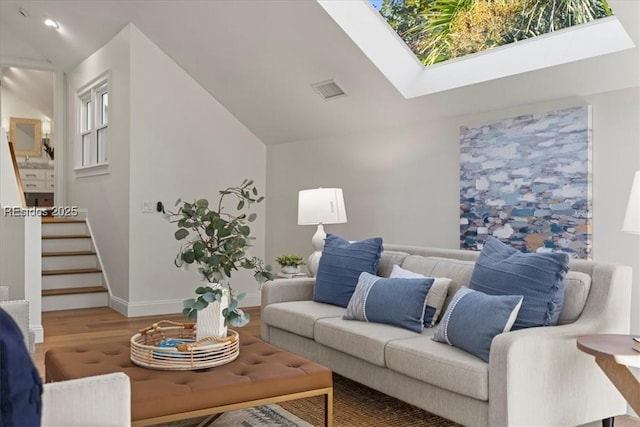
pixel 217 241
pixel 290 263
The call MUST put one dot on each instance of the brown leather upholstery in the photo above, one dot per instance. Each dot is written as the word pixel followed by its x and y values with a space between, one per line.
pixel 260 371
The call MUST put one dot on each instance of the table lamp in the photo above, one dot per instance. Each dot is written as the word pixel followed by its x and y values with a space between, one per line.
pixel 320 206
pixel 632 218
pixel 631 222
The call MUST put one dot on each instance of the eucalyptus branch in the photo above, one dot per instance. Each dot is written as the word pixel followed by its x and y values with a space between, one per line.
pixel 219 245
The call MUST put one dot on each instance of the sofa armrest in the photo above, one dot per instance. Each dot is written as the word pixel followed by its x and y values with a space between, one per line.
pixel 19 312
pixel 101 401
pixel 283 290
pixel 538 376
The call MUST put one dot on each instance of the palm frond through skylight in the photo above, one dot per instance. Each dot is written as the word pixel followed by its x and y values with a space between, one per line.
pixel 439 30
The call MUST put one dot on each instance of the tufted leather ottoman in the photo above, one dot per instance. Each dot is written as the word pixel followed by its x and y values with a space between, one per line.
pixel 262 374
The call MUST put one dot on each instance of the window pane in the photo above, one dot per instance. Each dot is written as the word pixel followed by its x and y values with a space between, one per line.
pixel 104 110
pixel 86 148
pixel 102 145
pixel 88 115
pixel 84 116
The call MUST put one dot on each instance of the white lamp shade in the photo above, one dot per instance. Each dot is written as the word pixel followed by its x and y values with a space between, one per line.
pixel 632 218
pixel 321 206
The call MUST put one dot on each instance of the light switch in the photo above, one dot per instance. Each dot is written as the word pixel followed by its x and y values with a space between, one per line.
pixel 148 206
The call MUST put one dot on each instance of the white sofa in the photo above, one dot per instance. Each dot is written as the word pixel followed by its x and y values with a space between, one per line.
pixel 98 401
pixel 535 376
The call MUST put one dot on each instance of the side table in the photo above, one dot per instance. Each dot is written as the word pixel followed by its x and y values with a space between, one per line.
pixel 614 354
pixel 282 275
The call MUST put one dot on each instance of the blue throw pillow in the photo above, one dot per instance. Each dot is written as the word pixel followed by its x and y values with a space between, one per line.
pixel 397 302
pixel 473 319
pixel 539 277
pixel 21 396
pixel 340 266
pixel 435 298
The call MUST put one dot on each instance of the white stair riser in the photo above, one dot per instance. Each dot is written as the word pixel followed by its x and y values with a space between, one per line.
pixel 70 302
pixel 61 228
pixel 69 262
pixel 66 245
pixel 61 281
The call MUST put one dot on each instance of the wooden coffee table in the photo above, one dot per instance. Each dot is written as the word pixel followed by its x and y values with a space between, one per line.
pixel 262 374
pixel 614 353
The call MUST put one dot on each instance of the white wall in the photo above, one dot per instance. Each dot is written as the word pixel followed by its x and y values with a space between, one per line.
pixel 105 196
pixel 27 94
pixel 12 243
pixel 183 144
pixel 403 184
pixel 169 138
pixel 20 244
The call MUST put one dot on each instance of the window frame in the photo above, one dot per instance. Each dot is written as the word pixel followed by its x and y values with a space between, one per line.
pixel 92 158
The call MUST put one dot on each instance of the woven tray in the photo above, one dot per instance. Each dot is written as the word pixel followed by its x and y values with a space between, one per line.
pixel 190 355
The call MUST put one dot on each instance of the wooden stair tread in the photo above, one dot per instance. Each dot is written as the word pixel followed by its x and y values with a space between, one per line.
pixel 54 219
pixel 70 253
pixel 73 291
pixel 71 271
pixel 66 236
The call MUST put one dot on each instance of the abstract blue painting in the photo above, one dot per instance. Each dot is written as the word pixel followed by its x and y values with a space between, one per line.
pixel 527 181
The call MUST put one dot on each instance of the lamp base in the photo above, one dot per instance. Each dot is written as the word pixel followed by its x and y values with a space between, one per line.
pixel 318 244
pixel 312 263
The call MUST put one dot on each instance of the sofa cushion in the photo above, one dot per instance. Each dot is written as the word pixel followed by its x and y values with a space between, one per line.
pixel 298 317
pixel 441 365
pixel 340 266
pixel 366 341
pixel 392 301
pixel 473 319
pixel 387 260
pixel 539 277
pixel 458 271
pixel 577 286
pixel 435 298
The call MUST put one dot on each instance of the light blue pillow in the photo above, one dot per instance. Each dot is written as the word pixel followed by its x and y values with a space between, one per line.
pixel 539 277
pixel 340 267
pixel 397 302
pixel 473 319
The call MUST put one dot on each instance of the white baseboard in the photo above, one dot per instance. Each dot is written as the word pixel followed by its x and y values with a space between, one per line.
pixel 38 330
pixel 150 308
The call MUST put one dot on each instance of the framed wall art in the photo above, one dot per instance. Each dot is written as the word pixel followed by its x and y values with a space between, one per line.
pixel 527 181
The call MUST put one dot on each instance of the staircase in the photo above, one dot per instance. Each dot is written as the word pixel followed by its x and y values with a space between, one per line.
pixel 71 274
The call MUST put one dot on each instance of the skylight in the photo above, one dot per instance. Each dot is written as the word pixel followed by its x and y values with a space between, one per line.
pixel 387 50
pixel 438 31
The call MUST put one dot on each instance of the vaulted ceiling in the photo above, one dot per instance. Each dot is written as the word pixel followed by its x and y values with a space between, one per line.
pixel 260 57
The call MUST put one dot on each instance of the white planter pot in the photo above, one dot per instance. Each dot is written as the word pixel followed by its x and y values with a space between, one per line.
pixel 210 321
pixel 290 269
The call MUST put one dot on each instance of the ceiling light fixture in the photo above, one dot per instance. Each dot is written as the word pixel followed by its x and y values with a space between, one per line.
pixel 51 23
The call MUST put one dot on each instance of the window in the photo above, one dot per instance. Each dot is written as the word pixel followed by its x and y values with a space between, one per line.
pixel 388 51
pixel 93 130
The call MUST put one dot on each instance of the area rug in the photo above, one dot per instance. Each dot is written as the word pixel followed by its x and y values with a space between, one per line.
pixel 354 405
pixel 261 416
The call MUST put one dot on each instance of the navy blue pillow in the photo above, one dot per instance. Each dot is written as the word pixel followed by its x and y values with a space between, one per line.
pixel 397 302
pixel 20 383
pixel 539 277
pixel 340 267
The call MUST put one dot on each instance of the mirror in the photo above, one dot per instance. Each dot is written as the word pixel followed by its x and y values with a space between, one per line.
pixel 26 136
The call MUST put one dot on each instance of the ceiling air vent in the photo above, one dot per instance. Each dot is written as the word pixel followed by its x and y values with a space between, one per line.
pixel 328 89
